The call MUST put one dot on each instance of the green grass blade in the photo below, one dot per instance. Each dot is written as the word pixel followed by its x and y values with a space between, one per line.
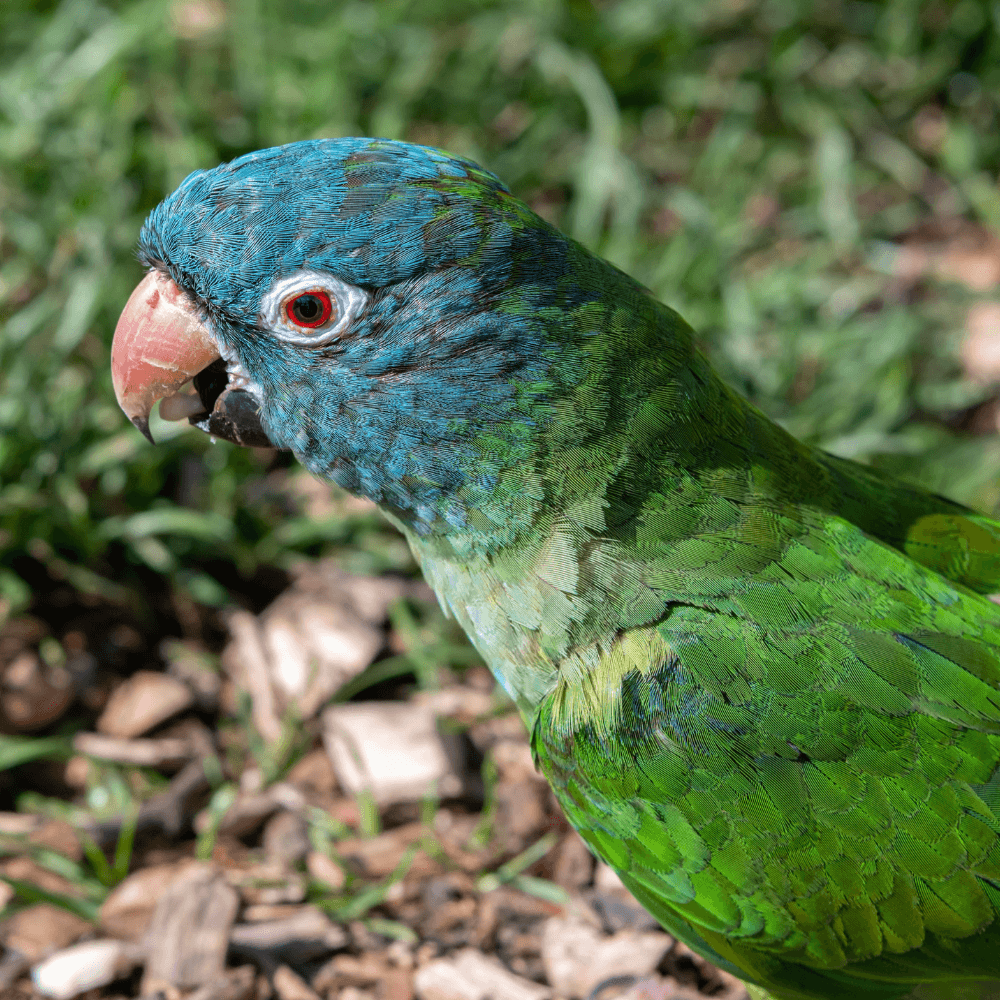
pixel 32 893
pixel 15 750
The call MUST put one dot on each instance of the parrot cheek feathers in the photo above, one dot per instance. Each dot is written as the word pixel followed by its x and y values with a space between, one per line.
pixel 160 344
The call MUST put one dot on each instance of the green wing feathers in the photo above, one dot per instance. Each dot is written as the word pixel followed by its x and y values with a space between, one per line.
pixel 937 533
pixel 804 783
pixel 764 681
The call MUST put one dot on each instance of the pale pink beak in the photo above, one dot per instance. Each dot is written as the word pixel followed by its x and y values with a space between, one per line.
pixel 160 343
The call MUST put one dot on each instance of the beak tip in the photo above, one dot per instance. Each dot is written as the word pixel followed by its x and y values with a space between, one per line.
pixel 142 423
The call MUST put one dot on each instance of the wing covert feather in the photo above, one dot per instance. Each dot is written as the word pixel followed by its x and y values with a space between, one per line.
pixel 806 778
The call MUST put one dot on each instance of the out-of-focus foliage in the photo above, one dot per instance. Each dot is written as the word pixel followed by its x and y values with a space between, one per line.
pixel 757 163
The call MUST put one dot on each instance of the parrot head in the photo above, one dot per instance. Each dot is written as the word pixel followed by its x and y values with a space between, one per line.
pixel 388 312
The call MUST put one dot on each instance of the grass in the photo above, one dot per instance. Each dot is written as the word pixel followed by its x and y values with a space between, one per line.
pixel 757 163
pixel 752 161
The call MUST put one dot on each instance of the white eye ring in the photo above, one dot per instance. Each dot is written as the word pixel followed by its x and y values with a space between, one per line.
pixel 347 301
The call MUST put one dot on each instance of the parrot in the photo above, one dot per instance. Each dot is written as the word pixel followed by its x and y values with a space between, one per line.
pixel 762 681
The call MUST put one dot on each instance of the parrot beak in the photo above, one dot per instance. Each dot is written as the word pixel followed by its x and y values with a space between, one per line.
pixel 160 344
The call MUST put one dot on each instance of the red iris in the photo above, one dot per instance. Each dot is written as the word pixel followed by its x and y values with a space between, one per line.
pixel 309 309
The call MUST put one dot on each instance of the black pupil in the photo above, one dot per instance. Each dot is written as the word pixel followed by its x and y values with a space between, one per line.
pixel 307 308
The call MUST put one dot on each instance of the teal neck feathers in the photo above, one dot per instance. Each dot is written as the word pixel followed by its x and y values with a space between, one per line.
pixel 540 577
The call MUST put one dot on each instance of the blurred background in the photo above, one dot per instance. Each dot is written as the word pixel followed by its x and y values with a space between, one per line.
pixel 811 183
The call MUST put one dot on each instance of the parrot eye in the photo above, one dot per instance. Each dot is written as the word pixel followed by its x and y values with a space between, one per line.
pixel 309 309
